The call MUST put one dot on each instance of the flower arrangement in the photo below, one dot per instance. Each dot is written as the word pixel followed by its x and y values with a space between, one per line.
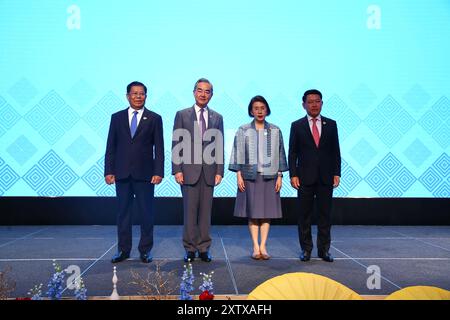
pixel 6 285
pixel 158 285
pixel 36 292
pixel 55 285
pixel 80 290
pixel 187 283
pixel 207 288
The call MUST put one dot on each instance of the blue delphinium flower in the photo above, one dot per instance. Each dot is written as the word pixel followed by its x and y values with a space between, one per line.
pixel 55 285
pixel 187 283
pixel 80 291
pixel 207 284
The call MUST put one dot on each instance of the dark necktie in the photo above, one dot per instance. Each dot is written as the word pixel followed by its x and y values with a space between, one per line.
pixel 202 122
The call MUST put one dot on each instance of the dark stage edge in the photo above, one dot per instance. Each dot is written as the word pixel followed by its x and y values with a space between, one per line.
pixel 406 256
pixel 169 211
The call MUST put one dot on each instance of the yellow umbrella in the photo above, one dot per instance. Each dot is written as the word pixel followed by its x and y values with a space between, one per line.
pixel 302 286
pixel 420 293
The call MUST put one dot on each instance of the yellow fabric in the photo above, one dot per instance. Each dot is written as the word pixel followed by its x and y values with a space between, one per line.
pixel 302 286
pixel 420 293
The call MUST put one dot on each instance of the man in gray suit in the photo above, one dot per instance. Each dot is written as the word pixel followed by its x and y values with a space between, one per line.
pixel 197 163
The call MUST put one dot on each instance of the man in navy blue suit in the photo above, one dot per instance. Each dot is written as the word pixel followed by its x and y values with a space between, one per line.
pixel 314 168
pixel 134 161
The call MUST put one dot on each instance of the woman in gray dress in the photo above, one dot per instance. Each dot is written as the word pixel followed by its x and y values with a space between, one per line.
pixel 258 158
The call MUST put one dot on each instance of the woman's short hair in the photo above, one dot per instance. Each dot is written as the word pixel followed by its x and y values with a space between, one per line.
pixel 257 99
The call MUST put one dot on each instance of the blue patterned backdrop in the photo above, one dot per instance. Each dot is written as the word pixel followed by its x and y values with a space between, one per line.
pixel 383 69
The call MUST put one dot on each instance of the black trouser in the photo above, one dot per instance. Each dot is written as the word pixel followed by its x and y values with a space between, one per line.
pixel 142 192
pixel 319 196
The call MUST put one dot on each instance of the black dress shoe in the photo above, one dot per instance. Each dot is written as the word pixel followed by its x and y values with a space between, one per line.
pixel 205 256
pixel 305 256
pixel 120 256
pixel 325 256
pixel 189 256
pixel 146 257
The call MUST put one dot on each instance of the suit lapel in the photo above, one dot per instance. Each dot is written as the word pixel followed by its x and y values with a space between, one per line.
pixel 144 119
pixel 307 129
pixel 124 122
pixel 325 131
pixel 193 122
pixel 211 118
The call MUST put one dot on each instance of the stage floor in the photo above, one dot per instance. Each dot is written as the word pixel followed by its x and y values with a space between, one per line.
pixel 405 255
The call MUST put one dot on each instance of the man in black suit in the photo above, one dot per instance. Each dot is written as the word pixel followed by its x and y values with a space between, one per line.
pixel 134 161
pixel 315 168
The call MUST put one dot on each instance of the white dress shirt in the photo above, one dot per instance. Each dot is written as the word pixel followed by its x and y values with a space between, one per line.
pixel 131 113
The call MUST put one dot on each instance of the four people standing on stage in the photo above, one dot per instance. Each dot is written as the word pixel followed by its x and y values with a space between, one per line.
pixel 134 161
pixel 259 159
pixel 315 169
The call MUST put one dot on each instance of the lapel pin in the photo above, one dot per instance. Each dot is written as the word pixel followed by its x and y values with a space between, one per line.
pixel 145 118
pixel 324 123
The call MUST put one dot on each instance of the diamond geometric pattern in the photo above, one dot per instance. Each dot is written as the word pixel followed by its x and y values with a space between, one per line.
pixel 376 178
pixel 442 135
pixel 98 118
pixel 363 152
pixel 363 97
pixel 390 129
pixel 50 189
pixel 417 153
pixel 8 177
pixel 436 122
pixel 390 178
pixel 80 150
pixel 8 115
pixel 51 132
pixel 95 180
pixel 442 165
pixel 51 163
pixel 51 176
pixel 36 177
pixel 347 120
pixel 65 178
pixel 350 179
pixel 431 179
pixel 21 150
pixel 23 91
pixel 51 117
pixel 404 179
pixel 390 165
pixel 417 97
pixel 436 178
pixel 37 117
pixel 443 191
pixel 390 190
pixel 94 177
pixel 442 108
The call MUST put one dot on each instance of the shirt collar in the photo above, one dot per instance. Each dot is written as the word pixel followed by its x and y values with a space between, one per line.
pixel 197 108
pixel 319 118
pixel 131 110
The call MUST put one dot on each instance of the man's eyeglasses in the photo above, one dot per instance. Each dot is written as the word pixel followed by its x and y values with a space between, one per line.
pixel 137 94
